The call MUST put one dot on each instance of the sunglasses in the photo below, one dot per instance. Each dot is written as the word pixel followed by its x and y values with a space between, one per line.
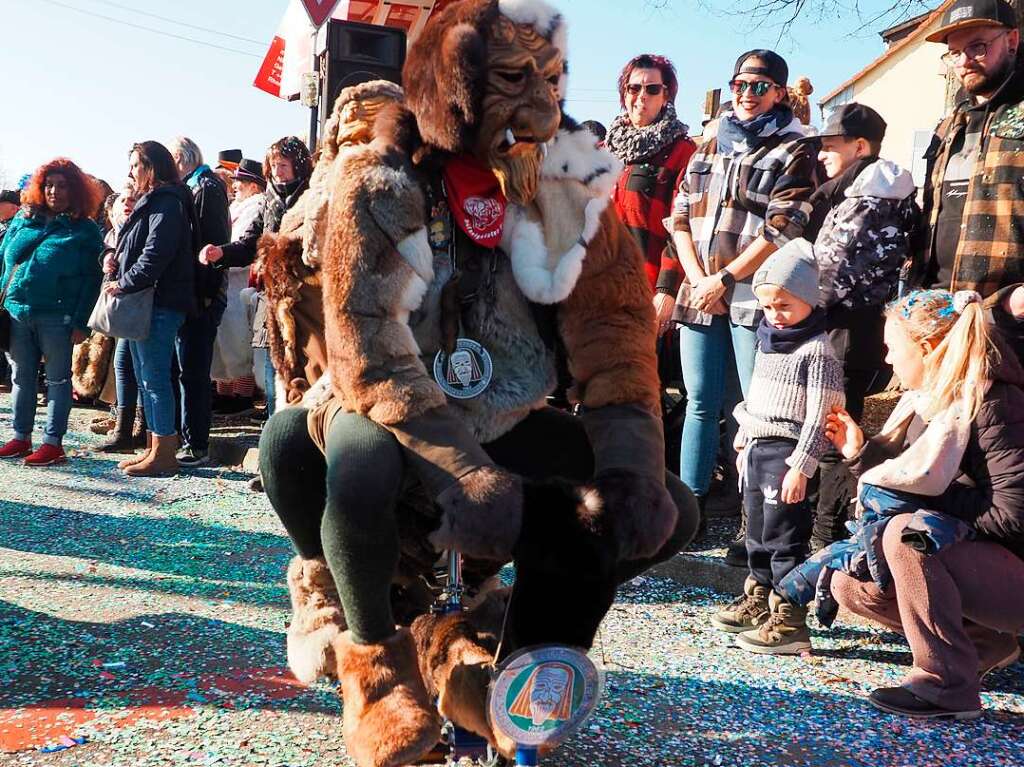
pixel 654 89
pixel 758 88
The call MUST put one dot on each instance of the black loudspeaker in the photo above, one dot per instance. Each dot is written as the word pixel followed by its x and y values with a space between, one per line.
pixel 356 53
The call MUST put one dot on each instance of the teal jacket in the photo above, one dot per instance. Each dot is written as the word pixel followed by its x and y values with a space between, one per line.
pixel 60 270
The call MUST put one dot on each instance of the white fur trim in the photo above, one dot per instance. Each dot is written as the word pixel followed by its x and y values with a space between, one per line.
pixel 544 18
pixel 281 392
pixel 415 249
pixel 539 279
pixel 575 155
pixel 411 299
pixel 319 393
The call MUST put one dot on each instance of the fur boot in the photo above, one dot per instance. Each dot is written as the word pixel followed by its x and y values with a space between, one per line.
pixel 456 669
pixel 388 718
pixel 317 619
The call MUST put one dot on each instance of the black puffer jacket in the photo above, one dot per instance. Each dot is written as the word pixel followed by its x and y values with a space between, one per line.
pixel 994 460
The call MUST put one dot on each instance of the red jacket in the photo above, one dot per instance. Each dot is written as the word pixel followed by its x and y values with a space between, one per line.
pixel 643 197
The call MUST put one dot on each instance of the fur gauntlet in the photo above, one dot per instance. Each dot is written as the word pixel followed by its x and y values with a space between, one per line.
pixel 635 509
pixel 482 514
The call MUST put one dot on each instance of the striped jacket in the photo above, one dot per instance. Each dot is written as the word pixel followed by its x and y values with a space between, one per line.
pixel 990 254
pixel 725 203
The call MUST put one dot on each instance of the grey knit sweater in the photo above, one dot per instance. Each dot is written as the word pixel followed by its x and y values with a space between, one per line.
pixel 789 397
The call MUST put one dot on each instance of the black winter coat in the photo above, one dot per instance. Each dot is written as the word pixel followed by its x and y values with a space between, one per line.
pixel 243 251
pixel 157 247
pixel 213 210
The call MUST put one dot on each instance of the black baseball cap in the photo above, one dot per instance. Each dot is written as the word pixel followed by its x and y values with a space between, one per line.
pixel 854 121
pixel 974 13
pixel 772 65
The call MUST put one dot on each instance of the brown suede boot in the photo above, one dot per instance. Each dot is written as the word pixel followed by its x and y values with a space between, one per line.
pixel 317 619
pixel 162 460
pixel 388 718
pixel 456 669
pixel 138 457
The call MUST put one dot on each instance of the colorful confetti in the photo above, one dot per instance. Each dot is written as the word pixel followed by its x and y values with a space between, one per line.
pixel 142 624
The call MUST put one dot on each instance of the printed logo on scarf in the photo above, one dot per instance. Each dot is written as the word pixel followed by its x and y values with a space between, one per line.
pixel 482 214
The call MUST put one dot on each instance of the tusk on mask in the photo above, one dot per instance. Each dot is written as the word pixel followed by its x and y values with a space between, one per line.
pixel 544 149
pixel 510 137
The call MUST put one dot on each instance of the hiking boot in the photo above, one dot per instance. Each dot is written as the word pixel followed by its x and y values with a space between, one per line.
pixel 745 612
pixel 784 633
pixel 16 448
pixel 192 457
pixel 160 461
pixel 120 437
pixel 46 455
pixel 900 700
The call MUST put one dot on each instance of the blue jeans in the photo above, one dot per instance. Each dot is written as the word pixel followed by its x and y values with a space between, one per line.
pixel 195 356
pixel 718 362
pixel 269 374
pixel 47 336
pixel 127 385
pixel 152 360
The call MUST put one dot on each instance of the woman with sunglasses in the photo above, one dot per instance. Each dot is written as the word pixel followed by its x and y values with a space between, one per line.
pixel 654 147
pixel 745 193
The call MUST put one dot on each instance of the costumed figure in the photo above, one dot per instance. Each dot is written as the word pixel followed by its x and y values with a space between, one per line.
pixel 465 249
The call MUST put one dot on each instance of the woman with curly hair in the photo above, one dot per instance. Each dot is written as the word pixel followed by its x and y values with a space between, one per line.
pixel 50 265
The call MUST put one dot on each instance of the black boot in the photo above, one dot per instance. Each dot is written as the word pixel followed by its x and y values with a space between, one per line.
pixel 736 553
pixel 702 525
pixel 119 439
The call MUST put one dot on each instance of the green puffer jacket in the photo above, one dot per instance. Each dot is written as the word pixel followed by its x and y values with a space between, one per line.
pixel 60 270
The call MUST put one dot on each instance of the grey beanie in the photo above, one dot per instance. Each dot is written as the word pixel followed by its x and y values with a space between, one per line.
pixel 794 269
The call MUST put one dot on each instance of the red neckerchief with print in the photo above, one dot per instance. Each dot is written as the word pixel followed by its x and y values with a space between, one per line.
pixel 476 200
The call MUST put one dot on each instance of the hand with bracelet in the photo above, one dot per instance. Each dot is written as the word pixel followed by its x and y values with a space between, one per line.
pixel 710 290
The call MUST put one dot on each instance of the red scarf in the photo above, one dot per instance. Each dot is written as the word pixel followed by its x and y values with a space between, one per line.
pixel 476 200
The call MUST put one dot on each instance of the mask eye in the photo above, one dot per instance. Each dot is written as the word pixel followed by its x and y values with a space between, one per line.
pixel 511 77
pixel 554 80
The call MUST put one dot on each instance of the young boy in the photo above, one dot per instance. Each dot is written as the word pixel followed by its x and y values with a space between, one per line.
pixel 862 223
pixel 797 381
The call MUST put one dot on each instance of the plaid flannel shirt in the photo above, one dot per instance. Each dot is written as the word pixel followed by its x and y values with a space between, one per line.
pixel 990 253
pixel 725 203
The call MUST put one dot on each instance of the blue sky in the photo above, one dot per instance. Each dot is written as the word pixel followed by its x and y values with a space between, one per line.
pixel 87 87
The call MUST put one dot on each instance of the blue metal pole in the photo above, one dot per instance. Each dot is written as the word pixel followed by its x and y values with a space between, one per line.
pixel 526 757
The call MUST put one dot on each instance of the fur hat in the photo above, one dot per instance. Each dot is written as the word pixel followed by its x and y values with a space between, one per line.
pixel 445 71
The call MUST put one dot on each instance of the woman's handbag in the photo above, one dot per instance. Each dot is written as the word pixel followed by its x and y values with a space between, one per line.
pixel 5 316
pixel 126 315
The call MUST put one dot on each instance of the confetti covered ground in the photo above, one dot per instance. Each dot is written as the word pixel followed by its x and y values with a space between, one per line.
pixel 142 623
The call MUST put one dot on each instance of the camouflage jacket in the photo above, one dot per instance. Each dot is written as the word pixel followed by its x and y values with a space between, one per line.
pixel 865 236
pixel 990 254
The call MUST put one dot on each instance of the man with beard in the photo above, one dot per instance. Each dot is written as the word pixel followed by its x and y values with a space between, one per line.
pixel 469 249
pixel 976 158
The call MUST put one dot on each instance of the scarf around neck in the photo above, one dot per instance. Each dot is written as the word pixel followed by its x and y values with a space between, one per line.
pixel 194 177
pixel 736 136
pixel 631 144
pixel 772 340
pixel 475 199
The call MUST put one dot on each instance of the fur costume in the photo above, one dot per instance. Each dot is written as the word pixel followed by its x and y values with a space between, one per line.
pixel 566 285
pixel 90 365
pixel 798 101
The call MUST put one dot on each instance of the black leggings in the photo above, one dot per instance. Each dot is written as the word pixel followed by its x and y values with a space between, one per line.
pixel 342 506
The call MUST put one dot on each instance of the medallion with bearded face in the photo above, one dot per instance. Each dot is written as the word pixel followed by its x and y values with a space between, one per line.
pixel 520 106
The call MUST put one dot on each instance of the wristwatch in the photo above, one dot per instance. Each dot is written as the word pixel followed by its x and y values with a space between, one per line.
pixel 727 279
